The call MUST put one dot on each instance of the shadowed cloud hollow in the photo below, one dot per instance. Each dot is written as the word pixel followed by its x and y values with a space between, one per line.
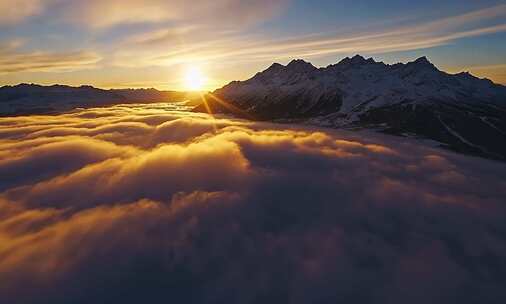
pixel 149 203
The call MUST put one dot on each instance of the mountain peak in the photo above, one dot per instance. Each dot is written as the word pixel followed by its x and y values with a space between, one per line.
pixel 423 61
pixel 273 69
pixel 356 60
pixel 275 65
pixel 299 62
pixel 300 65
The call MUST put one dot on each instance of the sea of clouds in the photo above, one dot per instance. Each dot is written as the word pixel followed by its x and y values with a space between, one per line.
pixel 152 204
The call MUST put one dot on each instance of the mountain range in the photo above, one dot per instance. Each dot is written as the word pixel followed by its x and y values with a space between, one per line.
pixel 36 99
pixel 459 111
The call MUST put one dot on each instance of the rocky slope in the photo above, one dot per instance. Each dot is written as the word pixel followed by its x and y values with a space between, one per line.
pixel 460 111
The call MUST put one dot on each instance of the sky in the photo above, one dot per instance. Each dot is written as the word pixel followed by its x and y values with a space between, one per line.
pixel 151 43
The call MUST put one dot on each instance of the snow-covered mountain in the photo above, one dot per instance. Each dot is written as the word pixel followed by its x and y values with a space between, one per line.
pixel 461 111
pixel 34 99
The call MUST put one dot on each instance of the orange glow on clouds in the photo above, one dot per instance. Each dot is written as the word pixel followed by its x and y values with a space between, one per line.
pixel 102 191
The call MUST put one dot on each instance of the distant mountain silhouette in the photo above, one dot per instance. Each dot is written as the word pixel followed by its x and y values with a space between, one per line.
pixel 460 111
pixel 36 99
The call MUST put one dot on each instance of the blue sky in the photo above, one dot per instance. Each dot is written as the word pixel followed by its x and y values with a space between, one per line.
pixel 150 43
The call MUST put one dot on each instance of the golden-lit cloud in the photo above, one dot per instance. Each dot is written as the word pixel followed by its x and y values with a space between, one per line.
pixel 417 36
pixel 14 61
pixel 220 13
pixel 90 13
pixel 168 202
pixel 15 12
pixel 179 46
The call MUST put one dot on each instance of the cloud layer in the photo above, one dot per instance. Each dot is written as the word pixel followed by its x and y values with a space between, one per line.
pixel 15 62
pixel 23 9
pixel 150 203
pixel 193 44
pixel 107 13
pixel 231 13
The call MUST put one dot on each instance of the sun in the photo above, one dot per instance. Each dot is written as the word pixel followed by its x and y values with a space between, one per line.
pixel 194 79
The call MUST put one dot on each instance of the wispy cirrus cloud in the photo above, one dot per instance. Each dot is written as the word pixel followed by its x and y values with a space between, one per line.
pixel 90 16
pixel 219 13
pixel 18 11
pixel 14 62
pixel 14 59
pixel 106 13
pixel 245 47
pixel 174 47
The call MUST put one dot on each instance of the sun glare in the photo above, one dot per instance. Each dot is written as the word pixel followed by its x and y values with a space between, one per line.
pixel 194 79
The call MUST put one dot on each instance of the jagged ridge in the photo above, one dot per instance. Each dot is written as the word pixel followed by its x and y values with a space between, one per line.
pixel 462 111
